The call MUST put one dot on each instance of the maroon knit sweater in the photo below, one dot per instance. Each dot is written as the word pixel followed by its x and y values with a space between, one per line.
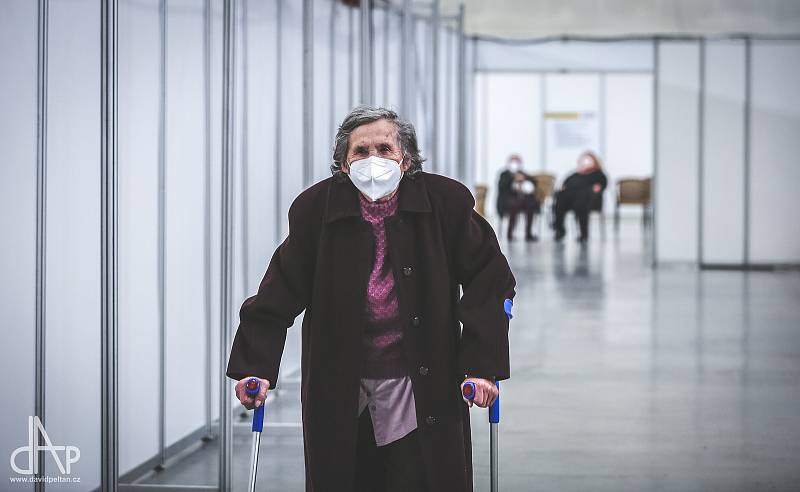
pixel 383 335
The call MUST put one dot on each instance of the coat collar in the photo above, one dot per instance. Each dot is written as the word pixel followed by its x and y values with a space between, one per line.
pixel 343 197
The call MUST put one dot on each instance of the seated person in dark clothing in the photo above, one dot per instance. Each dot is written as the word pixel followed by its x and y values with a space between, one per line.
pixel 516 194
pixel 505 186
pixel 578 192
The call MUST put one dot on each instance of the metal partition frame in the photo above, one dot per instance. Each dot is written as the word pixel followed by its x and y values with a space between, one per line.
pixel 226 239
pixel 109 400
pixel 308 91
pixel 278 117
pixel 41 229
pixel 207 211
pixel 162 234
pixel 367 94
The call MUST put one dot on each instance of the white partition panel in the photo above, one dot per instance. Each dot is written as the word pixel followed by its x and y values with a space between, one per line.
pixel 73 232
pixel 565 55
pixel 627 121
pixel 18 222
pixel 291 161
pixel 345 62
pixel 138 232
pixel 185 219
pixel 423 79
pixel 261 82
pixel 508 111
pixel 723 153
pixel 394 71
pixel 323 139
pixel 676 183
pixel 577 97
pixel 775 147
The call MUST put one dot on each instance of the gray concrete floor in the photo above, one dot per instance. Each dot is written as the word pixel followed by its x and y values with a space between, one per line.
pixel 623 379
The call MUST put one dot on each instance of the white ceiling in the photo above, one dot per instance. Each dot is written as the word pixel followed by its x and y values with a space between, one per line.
pixel 539 18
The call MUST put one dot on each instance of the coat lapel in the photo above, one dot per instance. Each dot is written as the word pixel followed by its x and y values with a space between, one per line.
pixel 343 197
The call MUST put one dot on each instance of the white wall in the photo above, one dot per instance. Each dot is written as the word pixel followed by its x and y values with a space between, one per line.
pixel 723 153
pixel 732 227
pixel 628 118
pixel 73 232
pixel 775 147
pixel 567 55
pixel 569 93
pixel 676 179
pixel 18 222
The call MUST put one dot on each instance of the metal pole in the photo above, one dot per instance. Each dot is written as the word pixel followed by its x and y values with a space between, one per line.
pixel 207 211
pixel 386 34
pixel 700 147
pixel 41 231
pixel 366 53
pixel 251 486
pixel 109 397
pixel 748 113
pixel 406 62
pixel 493 443
pixel 350 58
pixel 162 274
pixel 654 181
pixel 435 26
pixel 462 172
pixel 447 151
pixel 543 122
pixel 601 114
pixel 332 71
pixel 308 92
pixel 485 126
pixel 278 118
pixel 473 138
pixel 226 237
pixel 245 157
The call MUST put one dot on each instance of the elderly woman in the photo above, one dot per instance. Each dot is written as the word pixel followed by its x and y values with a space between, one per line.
pixel 582 190
pixel 388 262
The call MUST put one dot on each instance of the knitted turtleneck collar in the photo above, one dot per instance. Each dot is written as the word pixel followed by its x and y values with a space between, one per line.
pixel 378 210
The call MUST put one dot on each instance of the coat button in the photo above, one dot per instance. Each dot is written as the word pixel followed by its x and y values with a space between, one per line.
pixel 407 271
pixel 431 420
pixel 416 321
pixel 423 371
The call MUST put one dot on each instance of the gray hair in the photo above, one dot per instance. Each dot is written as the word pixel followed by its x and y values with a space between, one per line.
pixel 361 115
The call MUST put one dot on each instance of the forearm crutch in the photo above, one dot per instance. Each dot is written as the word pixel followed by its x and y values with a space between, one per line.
pixel 252 388
pixel 468 391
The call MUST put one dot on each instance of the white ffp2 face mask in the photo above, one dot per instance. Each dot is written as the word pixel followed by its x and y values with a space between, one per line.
pixel 375 176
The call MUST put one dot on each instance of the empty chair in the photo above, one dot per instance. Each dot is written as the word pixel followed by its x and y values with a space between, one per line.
pixel 633 191
pixel 480 199
pixel 545 186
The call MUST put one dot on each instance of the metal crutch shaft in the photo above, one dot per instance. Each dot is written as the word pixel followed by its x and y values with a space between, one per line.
pixel 252 388
pixel 468 391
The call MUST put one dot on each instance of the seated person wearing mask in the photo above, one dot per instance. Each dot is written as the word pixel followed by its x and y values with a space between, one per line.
pixel 578 192
pixel 516 191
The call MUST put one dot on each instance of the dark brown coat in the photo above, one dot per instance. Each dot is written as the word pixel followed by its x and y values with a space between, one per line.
pixel 437 244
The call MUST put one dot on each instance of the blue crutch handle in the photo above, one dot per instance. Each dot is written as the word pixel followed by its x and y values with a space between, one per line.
pixel 494 410
pixel 468 391
pixel 252 388
pixel 508 305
